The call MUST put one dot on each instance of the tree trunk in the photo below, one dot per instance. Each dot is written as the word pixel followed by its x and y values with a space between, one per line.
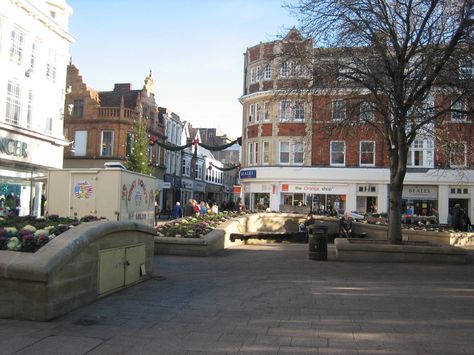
pixel 398 160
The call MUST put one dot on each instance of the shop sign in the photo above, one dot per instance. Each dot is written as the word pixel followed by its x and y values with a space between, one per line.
pixel 248 174
pixel 167 185
pixel 199 186
pixel 13 147
pixel 236 189
pixel 412 191
pixel 313 189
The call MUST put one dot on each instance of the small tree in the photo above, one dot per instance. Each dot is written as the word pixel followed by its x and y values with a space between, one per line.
pixel 138 160
pixel 400 54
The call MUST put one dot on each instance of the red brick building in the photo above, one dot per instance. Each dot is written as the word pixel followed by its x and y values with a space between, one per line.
pixel 296 156
pixel 99 123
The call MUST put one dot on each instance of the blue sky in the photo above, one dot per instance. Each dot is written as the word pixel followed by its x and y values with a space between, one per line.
pixel 194 48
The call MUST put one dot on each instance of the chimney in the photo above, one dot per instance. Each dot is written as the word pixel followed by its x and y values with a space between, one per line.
pixel 123 87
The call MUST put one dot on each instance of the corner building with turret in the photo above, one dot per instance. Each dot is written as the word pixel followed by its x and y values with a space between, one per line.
pixel 292 159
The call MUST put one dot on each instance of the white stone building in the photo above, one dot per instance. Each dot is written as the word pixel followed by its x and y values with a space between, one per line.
pixel 34 52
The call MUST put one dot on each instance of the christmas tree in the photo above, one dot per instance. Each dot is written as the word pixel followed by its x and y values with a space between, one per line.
pixel 138 158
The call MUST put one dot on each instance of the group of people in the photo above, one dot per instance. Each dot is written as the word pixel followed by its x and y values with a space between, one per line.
pixel 459 219
pixel 192 208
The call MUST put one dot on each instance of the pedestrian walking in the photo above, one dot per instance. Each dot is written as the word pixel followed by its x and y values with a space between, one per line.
pixel 177 211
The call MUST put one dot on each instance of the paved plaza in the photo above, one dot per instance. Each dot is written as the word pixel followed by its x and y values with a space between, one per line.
pixel 267 299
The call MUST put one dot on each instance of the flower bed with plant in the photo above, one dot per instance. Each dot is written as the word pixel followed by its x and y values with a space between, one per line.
pixel 194 227
pixel 28 233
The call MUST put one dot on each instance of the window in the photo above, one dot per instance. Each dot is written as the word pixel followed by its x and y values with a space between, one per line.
pixel 254 74
pixel 285 110
pixel 49 125
pixel 284 152
pixel 17 43
pixel 266 153
pixel 250 154
pixel 456 114
pixel 267 72
pixel 186 167
pixel 29 115
pixel 199 171
pixel 466 70
pixel 298 153
pixel 338 110
pixel 256 153
pixel 367 153
pixel 338 153
pixel 34 48
pixel 128 147
pixel 457 155
pixel 51 66
pixel 298 112
pixel 284 70
pixel 258 112
pixel 13 109
pixel 366 111
pixel 80 143
pixel 78 108
pixel 291 69
pixel 266 111
pixel 251 112
pixel 421 153
pixel 107 143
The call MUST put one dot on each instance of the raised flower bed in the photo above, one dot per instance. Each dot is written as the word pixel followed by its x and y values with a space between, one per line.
pixel 29 234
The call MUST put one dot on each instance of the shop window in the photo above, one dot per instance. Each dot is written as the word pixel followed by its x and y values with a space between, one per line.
pixel 367 153
pixel 338 153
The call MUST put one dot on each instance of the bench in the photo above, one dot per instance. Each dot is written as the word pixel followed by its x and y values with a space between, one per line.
pixel 277 236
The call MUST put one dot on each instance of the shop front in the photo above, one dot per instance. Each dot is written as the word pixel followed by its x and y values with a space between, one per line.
pixel 24 163
pixel 420 200
pixel 367 201
pixel 214 194
pixel 257 196
pixel 460 195
pixel 187 186
pixel 321 198
pixel 199 190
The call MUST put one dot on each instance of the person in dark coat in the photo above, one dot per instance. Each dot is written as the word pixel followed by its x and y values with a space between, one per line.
pixel 459 218
pixel 177 211
pixel 189 209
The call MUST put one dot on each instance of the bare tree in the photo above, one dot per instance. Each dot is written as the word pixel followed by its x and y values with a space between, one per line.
pixel 401 54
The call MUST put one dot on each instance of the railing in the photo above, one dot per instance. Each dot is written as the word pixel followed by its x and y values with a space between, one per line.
pixel 109 112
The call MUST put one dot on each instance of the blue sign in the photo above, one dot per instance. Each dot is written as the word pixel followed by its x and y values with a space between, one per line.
pixel 248 174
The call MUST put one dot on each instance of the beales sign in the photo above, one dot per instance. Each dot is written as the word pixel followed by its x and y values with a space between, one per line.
pixel 248 174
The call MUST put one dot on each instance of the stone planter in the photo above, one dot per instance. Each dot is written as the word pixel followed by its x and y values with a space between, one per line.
pixel 75 268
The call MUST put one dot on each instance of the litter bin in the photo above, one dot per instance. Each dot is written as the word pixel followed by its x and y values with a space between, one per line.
pixel 318 241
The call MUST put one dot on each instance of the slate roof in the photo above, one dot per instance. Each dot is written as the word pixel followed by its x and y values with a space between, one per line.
pixel 113 98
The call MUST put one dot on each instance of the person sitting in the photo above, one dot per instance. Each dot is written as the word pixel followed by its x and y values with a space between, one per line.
pixel 177 211
pixel 345 226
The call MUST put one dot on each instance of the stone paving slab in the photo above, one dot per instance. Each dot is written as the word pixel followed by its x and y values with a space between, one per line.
pixel 267 299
